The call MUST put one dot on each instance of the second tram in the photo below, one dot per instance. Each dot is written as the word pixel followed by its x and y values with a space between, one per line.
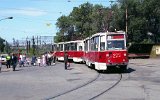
pixel 74 49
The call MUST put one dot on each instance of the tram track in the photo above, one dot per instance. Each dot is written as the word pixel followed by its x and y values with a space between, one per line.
pixel 76 88
pixel 86 84
pixel 95 79
pixel 108 89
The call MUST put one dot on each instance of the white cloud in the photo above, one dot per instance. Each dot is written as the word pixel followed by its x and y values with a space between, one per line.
pixel 23 11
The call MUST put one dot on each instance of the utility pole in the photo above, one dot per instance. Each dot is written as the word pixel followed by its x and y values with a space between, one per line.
pixel 126 19
pixel 29 45
pixel 33 45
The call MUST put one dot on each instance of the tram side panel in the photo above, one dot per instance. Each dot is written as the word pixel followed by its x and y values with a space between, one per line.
pixel 78 56
pixel 111 59
pixel 60 55
pixel 70 54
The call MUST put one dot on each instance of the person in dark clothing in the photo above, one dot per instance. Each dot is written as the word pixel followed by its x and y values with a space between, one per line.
pixel 65 60
pixel 14 61
pixel 8 58
pixel 33 62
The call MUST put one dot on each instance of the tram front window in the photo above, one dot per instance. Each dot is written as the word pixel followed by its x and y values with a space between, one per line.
pixel 115 45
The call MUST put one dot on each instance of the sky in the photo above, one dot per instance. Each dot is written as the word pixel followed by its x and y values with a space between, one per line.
pixel 35 17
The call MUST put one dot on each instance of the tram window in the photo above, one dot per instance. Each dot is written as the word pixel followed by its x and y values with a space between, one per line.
pixel 102 46
pixel 115 45
pixel 80 48
pixel 96 41
pixel 61 47
pixel 92 44
pixel 86 46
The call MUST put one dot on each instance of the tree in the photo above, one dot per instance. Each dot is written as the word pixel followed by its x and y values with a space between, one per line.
pixel 2 45
pixel 81 17
pixel 65 26
pixel 138 17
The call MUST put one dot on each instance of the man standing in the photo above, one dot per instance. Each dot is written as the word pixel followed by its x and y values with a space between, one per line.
pixel 8 58
pixel 65 60
pixel 14 61
pixel 54 57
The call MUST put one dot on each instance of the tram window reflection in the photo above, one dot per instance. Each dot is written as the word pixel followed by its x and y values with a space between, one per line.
pixel 115 45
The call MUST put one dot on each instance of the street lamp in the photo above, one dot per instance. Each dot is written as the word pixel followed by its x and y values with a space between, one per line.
pixel 6 18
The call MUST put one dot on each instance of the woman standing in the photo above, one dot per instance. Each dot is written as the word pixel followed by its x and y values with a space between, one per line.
pixel 44 60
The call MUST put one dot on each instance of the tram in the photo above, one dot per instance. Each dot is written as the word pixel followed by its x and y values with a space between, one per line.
pixel 74 49
pixel 59 51
pixel 106 50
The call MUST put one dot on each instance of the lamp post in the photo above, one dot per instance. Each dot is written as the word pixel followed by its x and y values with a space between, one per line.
pixel 6 18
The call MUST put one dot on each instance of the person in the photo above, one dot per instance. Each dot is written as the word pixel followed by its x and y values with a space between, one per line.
pixel 49 56
pixel 43 60
pixel 54 57
pixel 14 61
pixel 27 61
pixel 65 60
pixel 39 61
pixel 8 58
pixel 33 62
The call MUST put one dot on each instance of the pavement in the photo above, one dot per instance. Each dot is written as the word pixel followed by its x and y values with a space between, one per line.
pixel 141 82
pixel 37 83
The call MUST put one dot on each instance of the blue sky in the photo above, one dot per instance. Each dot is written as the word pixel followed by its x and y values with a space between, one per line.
pixel 30 17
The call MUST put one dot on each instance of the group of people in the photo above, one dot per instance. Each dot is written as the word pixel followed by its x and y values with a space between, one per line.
pixel 45 60
pixel 11 60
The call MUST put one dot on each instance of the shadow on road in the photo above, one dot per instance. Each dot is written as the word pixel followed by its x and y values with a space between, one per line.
pixel 117 71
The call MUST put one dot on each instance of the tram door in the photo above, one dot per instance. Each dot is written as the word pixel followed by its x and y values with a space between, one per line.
pixel 95 48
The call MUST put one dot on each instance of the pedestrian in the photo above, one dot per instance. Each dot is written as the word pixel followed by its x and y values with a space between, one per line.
pixel 14 61
pixel 54 57
pixel 33 62
pixel 39 61
pixel 65 60
pixel 43 60
pixel 49 58
pixel 8 58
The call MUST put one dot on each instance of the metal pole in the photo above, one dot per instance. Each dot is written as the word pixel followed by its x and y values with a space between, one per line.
pixel 126 19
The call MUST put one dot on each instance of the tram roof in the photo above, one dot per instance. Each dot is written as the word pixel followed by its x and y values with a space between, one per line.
pixel 74 41
pixel 103 33
pixel 70 42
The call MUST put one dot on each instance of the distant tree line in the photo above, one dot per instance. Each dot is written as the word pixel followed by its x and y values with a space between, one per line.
pixel 4 46
pixel 140 17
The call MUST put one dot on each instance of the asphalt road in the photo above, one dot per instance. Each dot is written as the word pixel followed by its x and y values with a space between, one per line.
pixel 140 82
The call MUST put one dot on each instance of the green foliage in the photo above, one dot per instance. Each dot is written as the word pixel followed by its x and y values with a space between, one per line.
pixel 2 44
pixel 139 48
pixel 143 16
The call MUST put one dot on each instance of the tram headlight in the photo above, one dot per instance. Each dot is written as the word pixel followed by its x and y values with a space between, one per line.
pixel 125 54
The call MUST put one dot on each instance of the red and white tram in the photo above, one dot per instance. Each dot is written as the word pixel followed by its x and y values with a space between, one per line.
pixel 74 49
pixel 104 50
pixel 60 51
